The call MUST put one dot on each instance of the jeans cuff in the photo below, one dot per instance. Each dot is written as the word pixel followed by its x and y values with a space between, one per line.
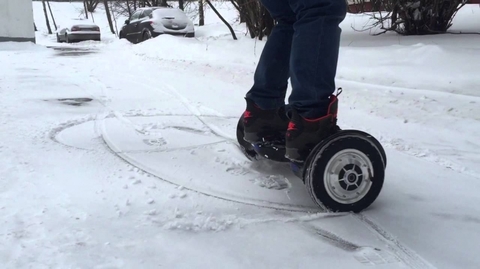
pixel 267 103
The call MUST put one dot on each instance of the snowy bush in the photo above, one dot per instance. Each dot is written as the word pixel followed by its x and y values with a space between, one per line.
pixel 414 17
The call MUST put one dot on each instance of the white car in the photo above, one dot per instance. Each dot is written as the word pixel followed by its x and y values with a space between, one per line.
pixel 78 30
pixel 149 22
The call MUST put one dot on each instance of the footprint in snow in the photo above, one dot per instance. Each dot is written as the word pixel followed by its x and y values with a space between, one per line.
pixel 363 254
pixel 158 142
pixel 274 182
pixel 374 256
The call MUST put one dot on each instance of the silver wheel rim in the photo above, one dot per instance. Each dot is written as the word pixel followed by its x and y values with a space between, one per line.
pixel 347 176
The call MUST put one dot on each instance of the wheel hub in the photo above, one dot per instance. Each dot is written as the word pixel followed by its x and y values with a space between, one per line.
pixel 346 177
pixel 352 178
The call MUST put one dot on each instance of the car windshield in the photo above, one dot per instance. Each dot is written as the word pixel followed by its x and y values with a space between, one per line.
pixel 169 13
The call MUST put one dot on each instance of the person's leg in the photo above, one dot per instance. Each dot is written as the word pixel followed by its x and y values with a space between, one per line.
pixel 265 118
pixel 272 72
pixel 314 55
pixel 313 66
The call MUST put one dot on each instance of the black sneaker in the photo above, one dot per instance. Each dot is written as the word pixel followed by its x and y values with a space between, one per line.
pixel 304 134
pixel 264 125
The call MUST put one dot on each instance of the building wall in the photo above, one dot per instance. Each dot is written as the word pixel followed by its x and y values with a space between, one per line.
pixel 16 20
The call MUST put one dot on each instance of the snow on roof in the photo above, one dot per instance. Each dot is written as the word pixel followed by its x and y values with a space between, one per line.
pixel 77 22
pixel 170 11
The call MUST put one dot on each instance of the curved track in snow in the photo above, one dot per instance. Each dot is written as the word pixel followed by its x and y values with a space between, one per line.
pixel 401 252
pixel 394 250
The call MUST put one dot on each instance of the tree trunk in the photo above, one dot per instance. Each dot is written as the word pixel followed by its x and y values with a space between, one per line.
pixel 201 14
pixel 109 16
pixel 51 14
pixel 181 4
pixel 46 17
pixel 91 5
pixel 129 9
pixel 221 18
pixel 85 8
pixel 114 19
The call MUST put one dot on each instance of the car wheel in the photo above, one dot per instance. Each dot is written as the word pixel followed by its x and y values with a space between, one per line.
pixel 58 39
pixel 192 34
pixel 67 39
pixel 120 35
pixel 146 35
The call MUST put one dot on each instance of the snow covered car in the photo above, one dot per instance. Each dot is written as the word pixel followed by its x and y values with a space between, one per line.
pixel 78 30
pixel 149 22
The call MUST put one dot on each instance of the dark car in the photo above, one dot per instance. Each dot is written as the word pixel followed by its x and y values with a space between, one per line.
pixel 149 22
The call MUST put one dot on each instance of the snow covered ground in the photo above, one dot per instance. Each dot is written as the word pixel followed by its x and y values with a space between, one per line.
pixel 122 156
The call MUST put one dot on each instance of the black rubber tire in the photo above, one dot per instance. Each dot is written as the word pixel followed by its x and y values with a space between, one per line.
pixel 317 161
pixel 380 148
pixel 377 143
pixel 246 147
pixel 146 35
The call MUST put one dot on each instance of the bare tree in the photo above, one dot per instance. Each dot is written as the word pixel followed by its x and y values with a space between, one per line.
pixel 114 19
pixel 129 9
pixel 109 16
pixel 85 9
pixel 201 13
pixel 51 14
pixel 414 17
pixel 46 17
pixel 125 8
pixel 255 15
pixel 221 18
pixel 154 3
pixel 91 5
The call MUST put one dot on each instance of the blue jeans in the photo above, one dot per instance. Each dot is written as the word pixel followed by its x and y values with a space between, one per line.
pixel 303 46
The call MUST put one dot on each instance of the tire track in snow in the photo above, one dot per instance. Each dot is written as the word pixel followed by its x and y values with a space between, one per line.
pixel 263 203
pixel 396 251
pixel 53 134
pixel 407 256
pixel 101 129
pixel 363 254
